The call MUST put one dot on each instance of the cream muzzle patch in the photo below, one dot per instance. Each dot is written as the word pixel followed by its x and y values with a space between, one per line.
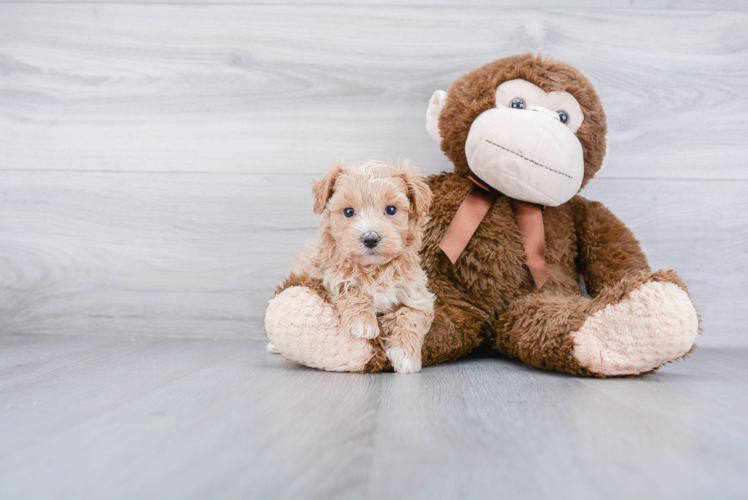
pixel 522 148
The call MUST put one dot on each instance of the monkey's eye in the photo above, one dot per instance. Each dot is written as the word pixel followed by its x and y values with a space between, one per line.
pixel 563 116
pixel 348 212
pixel 391 210
pixel 518 103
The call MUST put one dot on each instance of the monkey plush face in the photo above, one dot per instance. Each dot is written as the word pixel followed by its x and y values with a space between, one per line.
pixel 533 129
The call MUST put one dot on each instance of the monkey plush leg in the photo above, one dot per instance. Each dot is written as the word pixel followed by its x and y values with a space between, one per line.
pixel 305 328
pixel 455 331
pixel 630 328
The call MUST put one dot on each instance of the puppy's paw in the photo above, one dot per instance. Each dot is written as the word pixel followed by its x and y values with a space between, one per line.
pixel 403 362
pixel 272 349
pixel 364 329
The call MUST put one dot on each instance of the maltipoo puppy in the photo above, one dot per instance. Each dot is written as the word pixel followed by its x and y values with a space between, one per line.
pixel 366 254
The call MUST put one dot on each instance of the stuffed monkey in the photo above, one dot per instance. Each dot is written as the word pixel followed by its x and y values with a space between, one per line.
pixel 507 239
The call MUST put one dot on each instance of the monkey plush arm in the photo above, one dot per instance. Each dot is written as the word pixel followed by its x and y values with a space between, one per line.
pixel 607 250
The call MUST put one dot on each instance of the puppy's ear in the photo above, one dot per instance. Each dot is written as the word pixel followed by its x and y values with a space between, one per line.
pixel 418 191
pixel 323 188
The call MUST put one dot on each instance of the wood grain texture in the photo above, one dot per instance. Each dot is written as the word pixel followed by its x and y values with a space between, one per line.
pixel 155 159
pixel 189 419
pixel 199 255
pixel 155 169
pixel 257 88
pixel 157 254
pixel 707 5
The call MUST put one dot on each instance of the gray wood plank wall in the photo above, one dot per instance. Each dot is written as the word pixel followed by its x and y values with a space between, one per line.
pixel 156 158
pixel 707 5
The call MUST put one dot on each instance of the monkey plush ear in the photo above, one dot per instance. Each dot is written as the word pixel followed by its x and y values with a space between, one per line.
pixel 418 191
pixel 432 115
pixel 323 188
pixel 604 163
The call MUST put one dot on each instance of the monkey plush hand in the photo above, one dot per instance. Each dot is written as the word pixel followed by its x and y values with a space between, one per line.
pixel 509 235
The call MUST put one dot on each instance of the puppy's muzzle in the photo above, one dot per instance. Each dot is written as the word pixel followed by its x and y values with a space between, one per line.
pixel 370 239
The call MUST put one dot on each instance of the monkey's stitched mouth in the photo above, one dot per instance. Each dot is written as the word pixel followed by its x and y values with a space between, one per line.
pixel 527 159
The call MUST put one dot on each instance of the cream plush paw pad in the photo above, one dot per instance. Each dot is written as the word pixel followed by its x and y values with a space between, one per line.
pixel 656 324
pixel 305 329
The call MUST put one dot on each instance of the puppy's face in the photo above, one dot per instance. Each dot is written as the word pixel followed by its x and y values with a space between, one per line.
pixel 373 210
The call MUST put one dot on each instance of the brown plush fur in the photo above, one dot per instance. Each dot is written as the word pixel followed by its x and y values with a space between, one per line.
pixel 489 294
pixel 475 92
pixel 488 297
pixel 373 289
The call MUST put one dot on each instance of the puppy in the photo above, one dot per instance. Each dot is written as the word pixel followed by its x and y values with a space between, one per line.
pixel 366 254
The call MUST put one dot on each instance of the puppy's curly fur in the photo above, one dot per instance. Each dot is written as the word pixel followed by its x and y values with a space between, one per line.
pixel 378 282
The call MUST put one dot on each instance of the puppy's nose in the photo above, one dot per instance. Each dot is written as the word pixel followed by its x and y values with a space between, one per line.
pixel 370 239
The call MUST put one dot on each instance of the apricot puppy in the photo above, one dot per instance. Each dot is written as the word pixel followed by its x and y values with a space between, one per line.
pixel 366 254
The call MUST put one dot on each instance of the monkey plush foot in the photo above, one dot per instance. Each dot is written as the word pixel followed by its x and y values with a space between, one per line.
pixel 306 329
pixel 655 324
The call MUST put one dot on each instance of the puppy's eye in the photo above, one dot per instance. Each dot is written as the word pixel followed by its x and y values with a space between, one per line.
pixel 391 210
pixel 563 116
pixel 518 103
pixel 348 212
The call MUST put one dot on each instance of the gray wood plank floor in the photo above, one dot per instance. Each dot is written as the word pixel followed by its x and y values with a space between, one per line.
pixel 90 417
pixel 155 168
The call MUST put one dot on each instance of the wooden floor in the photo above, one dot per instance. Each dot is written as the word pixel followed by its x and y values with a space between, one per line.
pixel 150 418
pixel 155 169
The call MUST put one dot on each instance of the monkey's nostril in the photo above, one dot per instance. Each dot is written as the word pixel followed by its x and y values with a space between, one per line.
pixel 370 239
